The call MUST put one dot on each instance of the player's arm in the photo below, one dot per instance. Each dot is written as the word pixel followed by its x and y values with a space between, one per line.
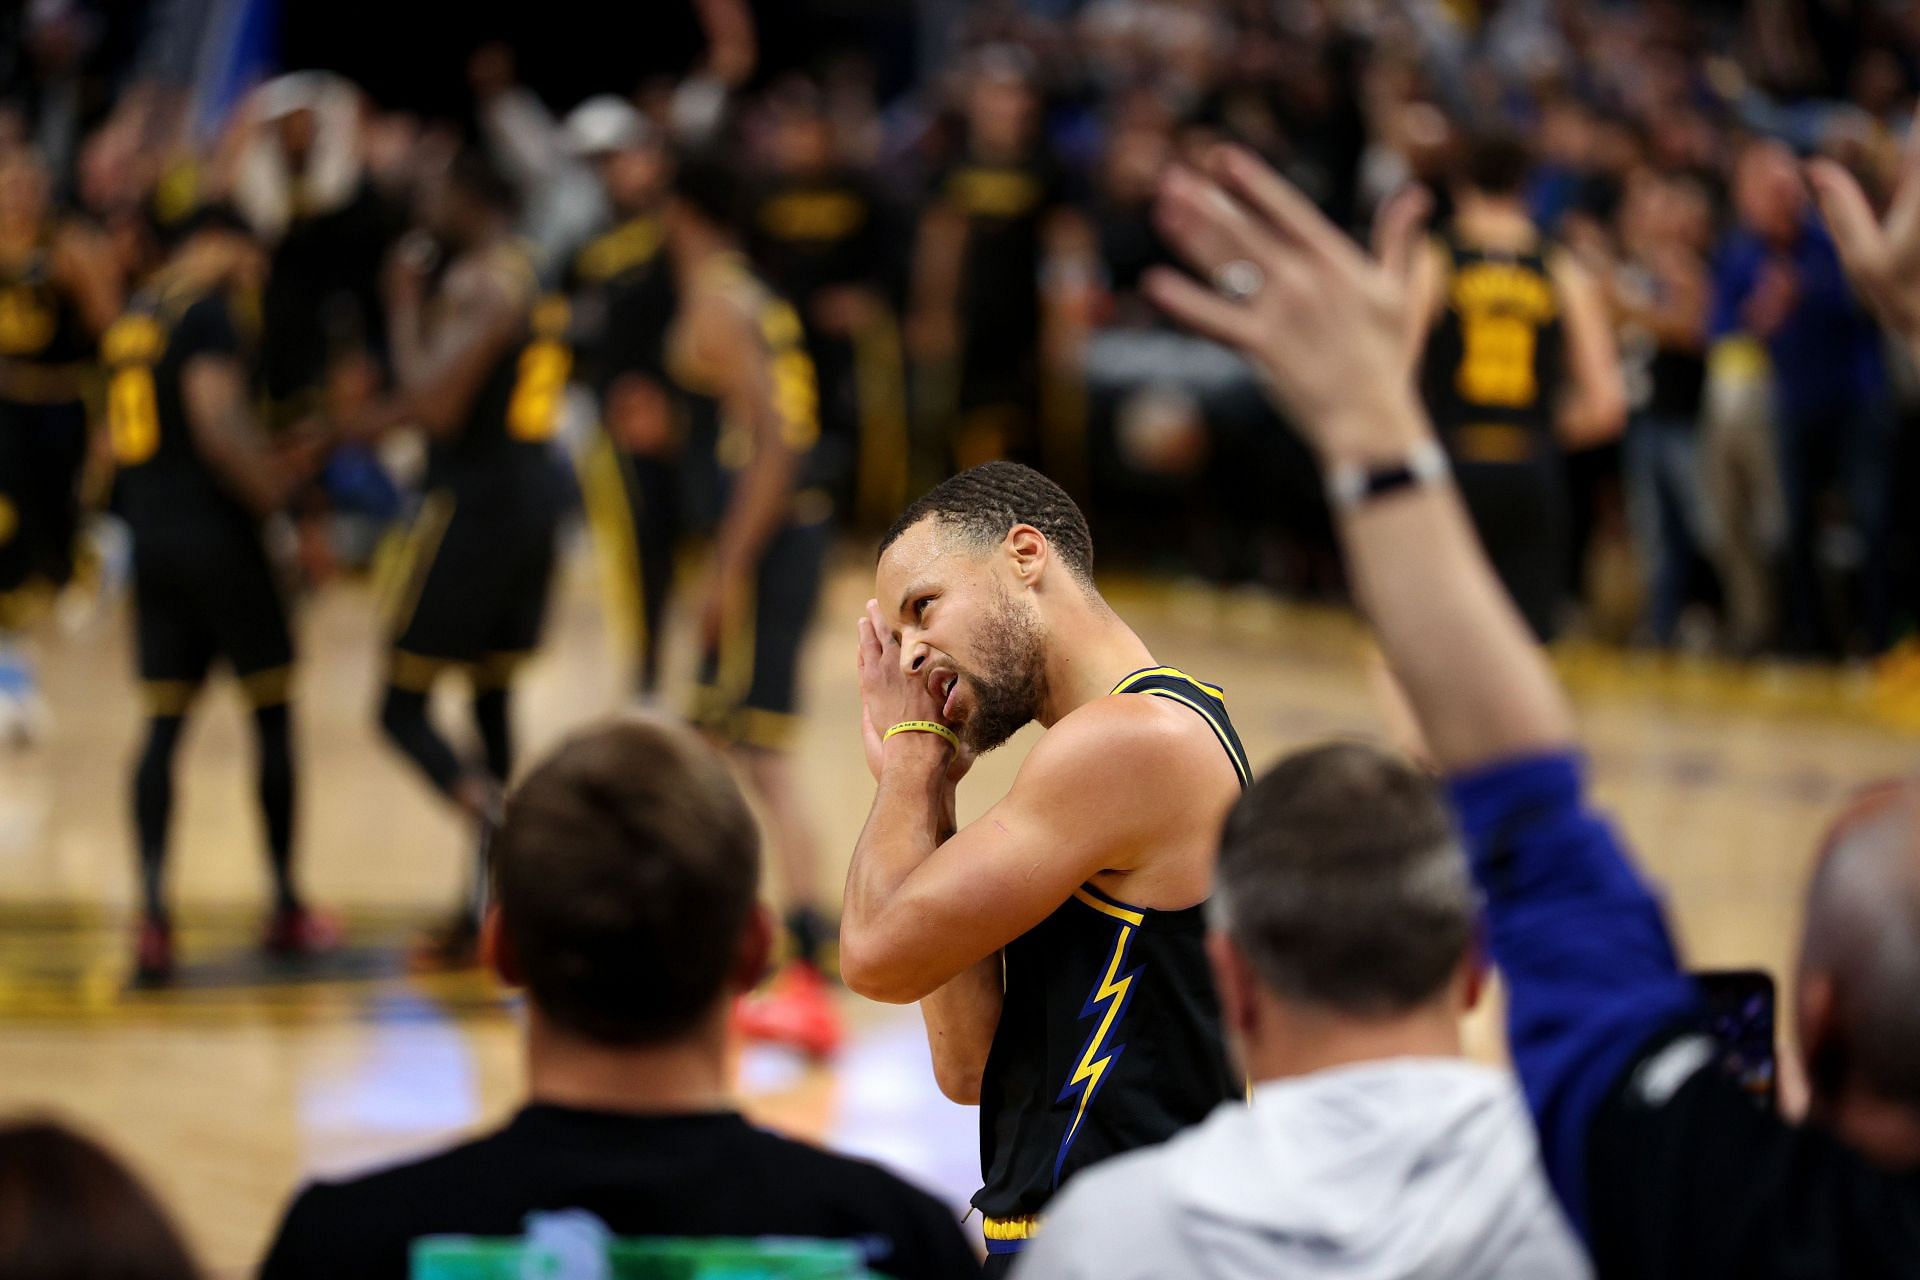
pixel 1596 410
pixel 81 261
pixel 773 390
pixel 919 911
pixel 436 378
pixel 220 416
pixel 962 1016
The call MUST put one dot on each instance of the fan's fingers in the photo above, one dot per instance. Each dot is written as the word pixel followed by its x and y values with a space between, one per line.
pixel 1200 308
pixel 1286 209
pixel 1397 228
pixel 1205 226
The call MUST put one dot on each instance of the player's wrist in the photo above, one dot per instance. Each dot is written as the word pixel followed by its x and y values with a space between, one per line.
pixel 914 748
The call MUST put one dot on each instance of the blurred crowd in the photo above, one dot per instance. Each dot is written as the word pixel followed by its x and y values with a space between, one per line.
pixel 968 255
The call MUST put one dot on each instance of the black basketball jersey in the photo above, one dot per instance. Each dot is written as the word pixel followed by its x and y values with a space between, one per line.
pixel 506 443
pixel 1492 368
pixel 162 480
pixel 1110 1035
pixel 40 320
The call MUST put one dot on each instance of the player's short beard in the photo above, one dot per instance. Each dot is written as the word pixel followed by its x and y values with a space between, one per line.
pixel 1011 682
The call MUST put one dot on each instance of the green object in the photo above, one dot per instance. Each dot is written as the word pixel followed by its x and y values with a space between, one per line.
pixel 473 1258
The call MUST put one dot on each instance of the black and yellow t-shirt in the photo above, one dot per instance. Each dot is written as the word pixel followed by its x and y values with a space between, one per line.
pixel 1006 205
pixel 1110 1035
pixel 810 234
pixel 1492 368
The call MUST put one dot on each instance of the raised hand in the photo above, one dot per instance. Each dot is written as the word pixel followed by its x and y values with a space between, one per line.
pixel 1324 321
pixel 1882 256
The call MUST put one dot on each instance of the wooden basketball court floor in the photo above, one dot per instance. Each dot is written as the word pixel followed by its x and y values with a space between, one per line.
pixel 246 1079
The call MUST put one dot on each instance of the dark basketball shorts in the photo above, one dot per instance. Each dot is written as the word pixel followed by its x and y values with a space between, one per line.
pixel 471 586
pixel 749 684
pixel 202 595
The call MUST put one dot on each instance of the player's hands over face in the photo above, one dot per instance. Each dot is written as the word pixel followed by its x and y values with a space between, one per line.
pixel 1325 322
pixel 1881 255
pixel 889 694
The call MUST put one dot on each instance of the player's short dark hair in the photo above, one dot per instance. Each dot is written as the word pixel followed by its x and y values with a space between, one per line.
pixel 474 172
pixel 627 867
pixel 712 185
pixel 1342 881
pixel 1496 162
pixel 986 501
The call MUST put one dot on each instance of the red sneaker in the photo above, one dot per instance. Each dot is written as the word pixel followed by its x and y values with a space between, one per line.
pixel 153 953
pixel 302 932
pixel 795 1009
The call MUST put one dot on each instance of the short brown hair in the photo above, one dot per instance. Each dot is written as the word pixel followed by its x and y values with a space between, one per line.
pixel 628 867
pixel 69 1209
pixel 1342 881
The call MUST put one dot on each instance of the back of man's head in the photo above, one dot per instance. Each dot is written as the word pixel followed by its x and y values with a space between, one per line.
pixel 628 868
pixel 1860 960
pixel 1341 881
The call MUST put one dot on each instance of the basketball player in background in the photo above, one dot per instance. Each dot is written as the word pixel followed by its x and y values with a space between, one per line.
pixel 196 478
pixel 621 287
pixel 819 230
pixel 1054 945
pixel 998 262
pixel 1519 365
pixel 738 359
pixel 479 365
pixel 58 293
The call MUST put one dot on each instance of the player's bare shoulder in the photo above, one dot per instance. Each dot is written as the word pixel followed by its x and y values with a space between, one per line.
pixel 1129 754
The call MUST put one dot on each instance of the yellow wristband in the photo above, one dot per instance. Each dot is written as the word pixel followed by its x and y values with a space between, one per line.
pixel 926 726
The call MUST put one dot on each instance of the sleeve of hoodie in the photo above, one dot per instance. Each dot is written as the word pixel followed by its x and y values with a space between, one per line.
pixel 1591 971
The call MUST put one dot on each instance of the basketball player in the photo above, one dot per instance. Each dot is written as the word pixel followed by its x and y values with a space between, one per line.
pixel 196 477
pixel 480 366
pixel 1054 945
pixel 621 287
pixel 738 358
pixel 998 227
pixel 58 293
pixel 1519 365
pixel 819 231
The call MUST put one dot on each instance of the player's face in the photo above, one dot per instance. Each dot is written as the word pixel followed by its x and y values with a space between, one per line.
pixel 965 630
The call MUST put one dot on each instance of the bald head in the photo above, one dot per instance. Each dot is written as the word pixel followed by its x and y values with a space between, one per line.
pixel 1862 938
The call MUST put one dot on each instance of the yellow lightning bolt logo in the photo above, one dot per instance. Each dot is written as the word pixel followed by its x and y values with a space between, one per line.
pixel 1112 992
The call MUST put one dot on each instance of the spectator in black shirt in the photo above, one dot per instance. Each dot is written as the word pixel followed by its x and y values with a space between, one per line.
pixel 627 873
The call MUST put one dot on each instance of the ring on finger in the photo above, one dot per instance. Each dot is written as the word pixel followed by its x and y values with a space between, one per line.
pixel 1239 280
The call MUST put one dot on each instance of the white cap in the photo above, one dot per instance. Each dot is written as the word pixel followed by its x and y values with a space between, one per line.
pixel 603 123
